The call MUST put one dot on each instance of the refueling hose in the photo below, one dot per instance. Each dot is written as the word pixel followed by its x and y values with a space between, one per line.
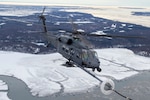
pixel 107 86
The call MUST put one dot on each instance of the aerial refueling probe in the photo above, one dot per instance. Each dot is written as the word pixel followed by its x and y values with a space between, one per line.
pixel 107 87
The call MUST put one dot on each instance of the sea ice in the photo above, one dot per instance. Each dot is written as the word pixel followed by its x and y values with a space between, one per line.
pixel 45 74
pixel 3 95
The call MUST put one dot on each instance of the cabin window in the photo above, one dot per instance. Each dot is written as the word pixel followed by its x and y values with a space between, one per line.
pixel 66 49
pixel 63 48
pixel 78 56
pixel 71 51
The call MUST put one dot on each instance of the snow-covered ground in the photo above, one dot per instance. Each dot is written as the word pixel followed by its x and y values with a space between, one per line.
pixel 123 14
pixel 45 74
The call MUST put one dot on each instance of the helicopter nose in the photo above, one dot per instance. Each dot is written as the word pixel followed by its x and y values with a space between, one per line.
pixel 96 64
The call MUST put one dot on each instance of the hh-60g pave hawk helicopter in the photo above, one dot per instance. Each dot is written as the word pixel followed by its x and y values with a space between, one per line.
pixel 77 50
pixel 73 48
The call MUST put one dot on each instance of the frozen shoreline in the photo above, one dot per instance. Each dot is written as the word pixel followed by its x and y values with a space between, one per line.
pixel 45 74
pixel 116 13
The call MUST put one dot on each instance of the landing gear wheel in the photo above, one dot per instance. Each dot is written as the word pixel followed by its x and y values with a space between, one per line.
pixel 99 69
pixel 69 64
pixel 93 69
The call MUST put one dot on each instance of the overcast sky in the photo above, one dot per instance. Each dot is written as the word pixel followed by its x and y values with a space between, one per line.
pixel 137 3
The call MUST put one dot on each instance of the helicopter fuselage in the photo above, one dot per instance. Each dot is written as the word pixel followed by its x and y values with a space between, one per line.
pixel 74 49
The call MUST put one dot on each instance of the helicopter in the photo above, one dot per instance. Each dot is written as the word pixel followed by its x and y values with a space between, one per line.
pixel 74 47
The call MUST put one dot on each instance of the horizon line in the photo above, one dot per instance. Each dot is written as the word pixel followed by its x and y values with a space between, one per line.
pixel 57 4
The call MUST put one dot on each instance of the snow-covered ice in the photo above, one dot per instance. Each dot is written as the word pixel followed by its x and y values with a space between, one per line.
pixel 45 74
pixel 3 87
pixel 3 96
pixel 1 24
pixel 99 33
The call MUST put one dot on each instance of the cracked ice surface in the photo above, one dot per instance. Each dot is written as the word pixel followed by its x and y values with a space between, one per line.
pixel 46 75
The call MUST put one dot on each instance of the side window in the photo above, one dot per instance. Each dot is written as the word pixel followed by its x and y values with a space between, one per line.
pixel 71 51
pixel 66 49
pixel 77 56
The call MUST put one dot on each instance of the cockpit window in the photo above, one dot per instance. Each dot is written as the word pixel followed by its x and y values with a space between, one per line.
pixel 84 54
pixel 95 54
pixel 88 53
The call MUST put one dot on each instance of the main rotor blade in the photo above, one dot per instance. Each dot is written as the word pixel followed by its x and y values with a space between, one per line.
pixel 74 26
pixel 115 36
pixel 42 16
pixel 43 10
